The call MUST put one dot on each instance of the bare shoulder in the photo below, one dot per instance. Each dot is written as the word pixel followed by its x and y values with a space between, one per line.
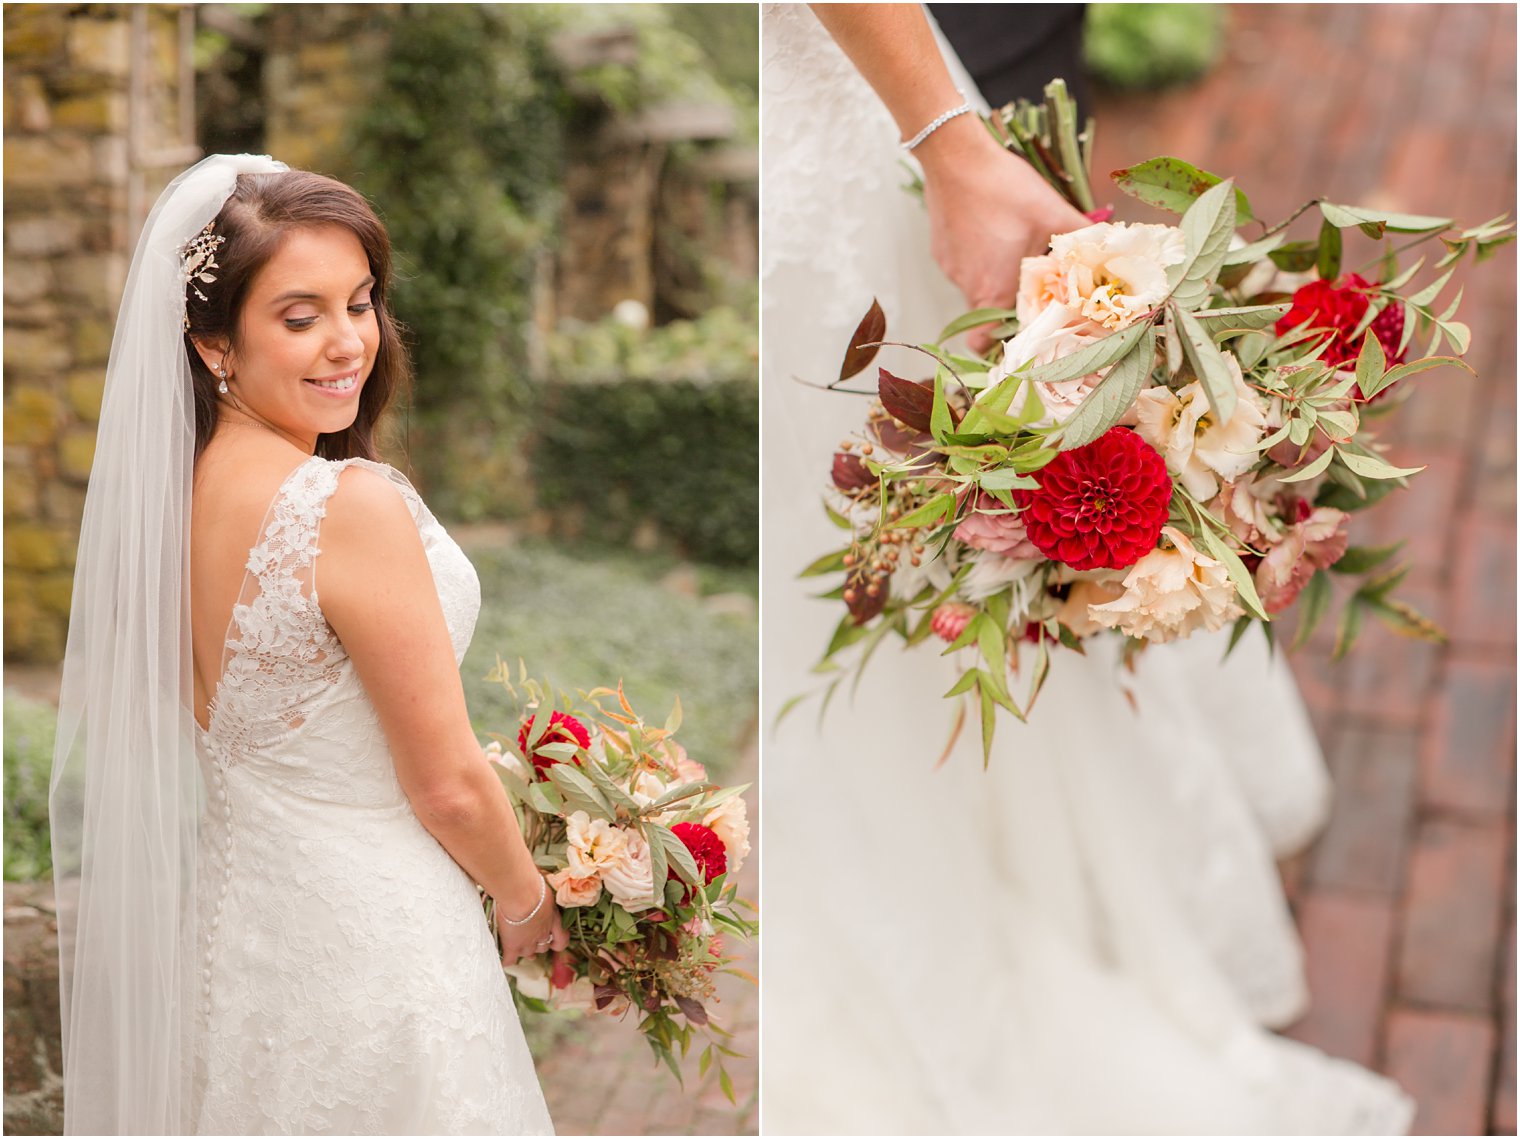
pixel 367 510
pixel 236 482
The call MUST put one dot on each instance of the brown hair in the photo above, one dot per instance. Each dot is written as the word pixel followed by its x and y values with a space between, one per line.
pixel 255 220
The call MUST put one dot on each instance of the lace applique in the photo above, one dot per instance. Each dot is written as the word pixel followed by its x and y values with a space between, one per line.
pixel 348 982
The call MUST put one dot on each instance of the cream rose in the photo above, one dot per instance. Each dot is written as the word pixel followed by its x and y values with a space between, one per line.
pixel 570 890
pixel 1199 449
pixel 595 844
pixel 730 822
pixel 494 753
pixel 630 880
pixel 1169 593
pixel 1113 272
pixel 1073 612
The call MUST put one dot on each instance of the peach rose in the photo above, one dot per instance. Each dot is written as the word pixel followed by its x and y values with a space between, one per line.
pixel 730 822
pixel 570 890
pixel 630 880
pixel 595 844
pixel 1073 612
pixel 1169 593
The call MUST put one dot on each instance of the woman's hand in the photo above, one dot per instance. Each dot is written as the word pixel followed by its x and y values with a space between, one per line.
pixel 545 933
pixel 988 210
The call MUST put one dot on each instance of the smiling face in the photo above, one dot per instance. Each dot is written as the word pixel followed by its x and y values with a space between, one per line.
pixel 307 336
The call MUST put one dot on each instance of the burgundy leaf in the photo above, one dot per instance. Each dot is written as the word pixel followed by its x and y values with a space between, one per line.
pixel 862 603
pixel 605 995
pixel 871 330
pixel 693 1010
pixel 910 401
pixel 850 473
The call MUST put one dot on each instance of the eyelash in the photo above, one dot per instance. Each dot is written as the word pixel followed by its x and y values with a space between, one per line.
pixel 301 324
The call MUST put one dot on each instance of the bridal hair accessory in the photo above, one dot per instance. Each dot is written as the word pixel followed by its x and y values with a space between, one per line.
pixel 954 112
pixel 543 894
pixel 197 257
pixel 124 801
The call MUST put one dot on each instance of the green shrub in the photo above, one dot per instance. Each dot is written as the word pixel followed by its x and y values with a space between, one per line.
pixel 29 730
pixel 462 148
pixel 581 618
pixel 659 427
pixel 1146 46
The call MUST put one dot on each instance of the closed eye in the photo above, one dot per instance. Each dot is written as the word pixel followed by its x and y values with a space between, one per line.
pixel 300 323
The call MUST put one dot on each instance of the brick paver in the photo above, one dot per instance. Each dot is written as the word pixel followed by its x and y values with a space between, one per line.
pixel 1406 903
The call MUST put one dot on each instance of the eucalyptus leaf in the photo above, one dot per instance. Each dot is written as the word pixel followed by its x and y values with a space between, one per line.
pixel 1372 467
pixel 1106 404
pixel 1209 365
pixel 1208 226
pixel 1313 604
pixel 1245 588
pixel 1236 320
pixel 974 319
pixel 1315 468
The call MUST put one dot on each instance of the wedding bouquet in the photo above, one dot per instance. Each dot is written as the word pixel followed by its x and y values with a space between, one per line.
pixel 641 851
pixel 1168 436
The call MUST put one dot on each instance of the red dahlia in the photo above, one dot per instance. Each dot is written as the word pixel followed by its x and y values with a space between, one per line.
pixel 706 849
pixel 1101 506
pixel 1338 310
pixel 563 729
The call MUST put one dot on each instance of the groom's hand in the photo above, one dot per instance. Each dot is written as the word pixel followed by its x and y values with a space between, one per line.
pixel 988 210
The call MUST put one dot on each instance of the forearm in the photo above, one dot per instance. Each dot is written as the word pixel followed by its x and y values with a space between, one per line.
pixel 893 48
pixel 472 818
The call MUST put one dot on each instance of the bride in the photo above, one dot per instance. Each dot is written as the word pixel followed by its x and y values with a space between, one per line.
pixel 272 808
pixel 1090 936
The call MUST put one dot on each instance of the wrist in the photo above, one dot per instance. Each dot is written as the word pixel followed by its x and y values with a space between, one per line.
pixel 964 138
pixel 522 900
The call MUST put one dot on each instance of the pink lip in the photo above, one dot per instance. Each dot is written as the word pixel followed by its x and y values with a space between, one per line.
pixel 334 376
pixel 340 393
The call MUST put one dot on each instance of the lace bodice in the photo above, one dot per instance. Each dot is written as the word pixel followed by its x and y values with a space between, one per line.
pixel 349 983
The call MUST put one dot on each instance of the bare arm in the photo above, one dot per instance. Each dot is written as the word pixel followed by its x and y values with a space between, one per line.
pixel 988 209
pixel 377 592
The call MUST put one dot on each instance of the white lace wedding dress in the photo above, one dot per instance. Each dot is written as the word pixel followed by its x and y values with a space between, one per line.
pixel 1086 938
pixel 350 984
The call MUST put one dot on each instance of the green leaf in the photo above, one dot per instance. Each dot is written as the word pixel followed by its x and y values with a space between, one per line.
pixel 1361 559
pixel 1209 365
pixel 941 422
pixel 1256 250
pixel 930 513
pixel 726 1084
pixel 1328 263
pixel 1245 588
pixel 1236 320
pixel 1313 469
pixel 1313 604
pixel 974 319
pixel 1295 256
pixel 965 684
pixel 1208 226
pixel 1347 216
pixel 989 723
pixel 1406 619
pixel 579 792
pixel 992 641
pixel 1005 479
pixel 1428 294
pixel 1106 404
pixel 1370 362
pixel 1238 630
pixel 1173 341
pixel 829 563
pixel 1372 467
pixel 675 850
pixel 1173 184
pixel 1348 628
pixel 999 398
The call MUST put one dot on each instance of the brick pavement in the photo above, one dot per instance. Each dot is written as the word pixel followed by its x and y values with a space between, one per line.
pixel 600 1078
pixel 1406 903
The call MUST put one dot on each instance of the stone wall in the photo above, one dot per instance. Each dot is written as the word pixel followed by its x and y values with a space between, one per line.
pixel 33 1043
pixel 68 200
pixel 321 62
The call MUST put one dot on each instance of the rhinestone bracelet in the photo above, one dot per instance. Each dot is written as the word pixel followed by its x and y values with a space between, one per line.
pixel 916 140
pixel 543 892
